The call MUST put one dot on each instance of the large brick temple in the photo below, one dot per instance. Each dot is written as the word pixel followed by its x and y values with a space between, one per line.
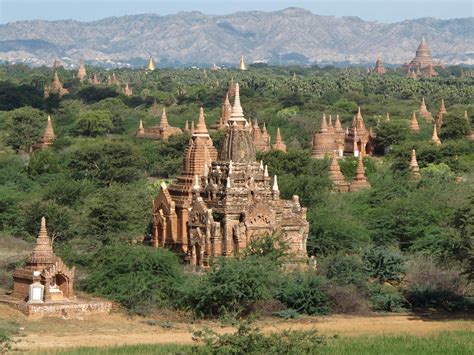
pixel 224 199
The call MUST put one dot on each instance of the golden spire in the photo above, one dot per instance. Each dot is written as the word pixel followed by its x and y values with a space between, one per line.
pixel 435 137
pixel 414 127
pixel 242 65
pixel 414 168
pixel 151 64
pixel 201 128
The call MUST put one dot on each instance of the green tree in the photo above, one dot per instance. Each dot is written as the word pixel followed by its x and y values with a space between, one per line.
pixel 94 123
pixel 24 127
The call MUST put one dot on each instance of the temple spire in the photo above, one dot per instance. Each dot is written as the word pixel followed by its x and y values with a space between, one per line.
pixel 414 168
pixel 201 128
pixel 414 127
pixel 435 137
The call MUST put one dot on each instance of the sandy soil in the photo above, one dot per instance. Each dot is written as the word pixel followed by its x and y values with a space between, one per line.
pixel 120 329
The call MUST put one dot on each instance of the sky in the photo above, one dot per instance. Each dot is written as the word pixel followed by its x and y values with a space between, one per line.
pixel 373 10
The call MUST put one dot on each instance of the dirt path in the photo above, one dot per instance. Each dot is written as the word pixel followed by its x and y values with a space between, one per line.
pixel 120 329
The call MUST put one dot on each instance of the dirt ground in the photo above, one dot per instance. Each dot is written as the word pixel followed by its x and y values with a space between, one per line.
pixel 120 329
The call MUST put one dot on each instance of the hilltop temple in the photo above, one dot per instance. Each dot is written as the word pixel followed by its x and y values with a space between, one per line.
pixel 56 87
pixel 48 137
pixel 161 131
pixel 355 140
pixel 225 199
pixel 423 64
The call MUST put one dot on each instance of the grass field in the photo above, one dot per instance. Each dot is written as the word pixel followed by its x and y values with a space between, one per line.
pixel 459 342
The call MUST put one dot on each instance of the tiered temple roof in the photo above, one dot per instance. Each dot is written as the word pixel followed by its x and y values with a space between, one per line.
pixel 414 168
pixel 48 137
pixel 360 180
pixel 56 87
pixel 44 267
pixel 232 203
pixel 414 127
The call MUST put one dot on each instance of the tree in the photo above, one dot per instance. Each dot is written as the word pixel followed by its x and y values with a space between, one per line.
pixel 95 123
pixel 107 161
pixel 24 127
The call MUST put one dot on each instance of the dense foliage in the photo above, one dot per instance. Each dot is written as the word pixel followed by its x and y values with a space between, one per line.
pixel 96 183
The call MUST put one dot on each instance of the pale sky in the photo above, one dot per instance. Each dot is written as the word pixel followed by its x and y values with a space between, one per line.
pixel 374 10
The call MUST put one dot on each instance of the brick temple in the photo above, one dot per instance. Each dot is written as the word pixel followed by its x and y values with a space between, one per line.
pixel 224 199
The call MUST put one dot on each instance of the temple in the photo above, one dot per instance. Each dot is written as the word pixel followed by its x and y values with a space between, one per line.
pixel 151 64
pixel 56 87
pixel 414 168
pixel 360 180
pixel 424 112
pixel 223 200
pixel 48 137
pixel 127 90
pixel 81 73
pixel 423 62
pixel 339 181
pixel 44 272
pixel 379 68
pixel 414 126
pixel 161 131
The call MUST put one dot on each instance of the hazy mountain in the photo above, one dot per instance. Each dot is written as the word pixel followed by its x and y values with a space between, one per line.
pixel 289 36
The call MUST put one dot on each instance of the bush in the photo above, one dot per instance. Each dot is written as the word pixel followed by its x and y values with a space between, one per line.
pixel 139 277
pixel 304 293
pixel 384 264
pixel 430 285
pixel 386 298
pixel 249 340
pixel 232 286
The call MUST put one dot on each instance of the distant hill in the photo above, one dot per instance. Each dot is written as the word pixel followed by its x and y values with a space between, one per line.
pixel 288 36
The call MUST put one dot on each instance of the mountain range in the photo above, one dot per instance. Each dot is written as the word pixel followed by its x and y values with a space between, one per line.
pixel 290 36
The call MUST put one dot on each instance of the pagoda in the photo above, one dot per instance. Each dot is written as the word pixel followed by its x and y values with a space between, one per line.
pixel 424 112
pixel 324 141
pixel 56 87
pixel 44 271
pixel 435 137
pixel 423 59
pixel 161 131
pixel 339 181
pixel 379 68
pixel 48 137
pixel 151 64
pixel 224 201
pixel 127 90
pixel 414 168
pixel 360 180
pixel 81 73
pixel 414 127
pixel 242 65
pixel 279 144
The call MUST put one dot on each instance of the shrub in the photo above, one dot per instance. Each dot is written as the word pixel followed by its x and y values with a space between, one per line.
pixel 140 278
pixel 231 286
pixel 250 340
pixel 431 285
pixel 303 292
pixel 384 264
pixel 386 298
